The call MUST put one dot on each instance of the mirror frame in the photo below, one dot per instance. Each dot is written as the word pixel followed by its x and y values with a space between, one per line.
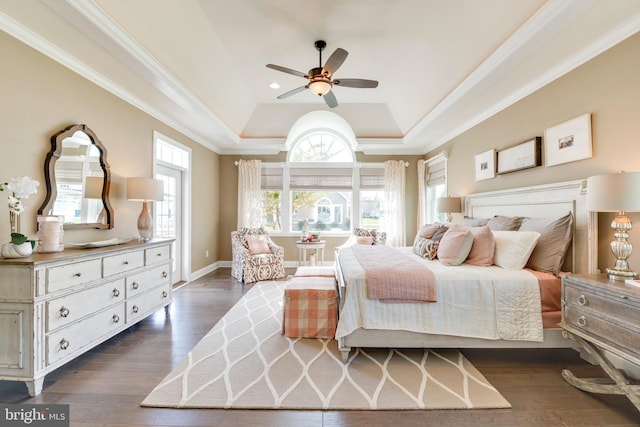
pixel 50 176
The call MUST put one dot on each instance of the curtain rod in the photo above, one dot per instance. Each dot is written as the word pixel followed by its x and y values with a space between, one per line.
pixel 406 164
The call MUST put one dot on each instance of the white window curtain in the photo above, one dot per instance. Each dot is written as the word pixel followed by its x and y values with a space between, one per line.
pixel 394 216
pixel 422 192
pixel 249 193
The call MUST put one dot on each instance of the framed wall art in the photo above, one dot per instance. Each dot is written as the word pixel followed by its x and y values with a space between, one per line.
pixel 521 156
pixel 486 165
pixel 568 141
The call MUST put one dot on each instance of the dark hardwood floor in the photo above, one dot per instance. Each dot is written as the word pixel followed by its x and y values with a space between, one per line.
pixel 105 386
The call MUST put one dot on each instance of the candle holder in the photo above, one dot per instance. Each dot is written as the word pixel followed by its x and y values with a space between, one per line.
pixel 50 234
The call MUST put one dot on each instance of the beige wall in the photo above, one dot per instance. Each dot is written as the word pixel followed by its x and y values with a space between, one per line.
pixel 40 97
pixel 608 87
pixel 229 203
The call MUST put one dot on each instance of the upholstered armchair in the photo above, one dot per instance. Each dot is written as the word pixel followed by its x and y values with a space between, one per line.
pixel 363 236
pixel 255 256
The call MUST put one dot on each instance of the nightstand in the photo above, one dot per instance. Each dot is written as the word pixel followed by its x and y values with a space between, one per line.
pixel 600 314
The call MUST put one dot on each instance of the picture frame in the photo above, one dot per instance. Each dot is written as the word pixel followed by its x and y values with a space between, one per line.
pixel 568 141
pixel 525 155
pixel 485 165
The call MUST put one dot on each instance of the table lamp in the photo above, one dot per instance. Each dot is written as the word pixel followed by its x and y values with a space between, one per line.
pixel 305 213
pixel 619 192
pixel 449 205
pixel 145 190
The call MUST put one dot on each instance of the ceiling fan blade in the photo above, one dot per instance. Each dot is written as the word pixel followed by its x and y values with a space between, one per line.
pixel 330 99
pixel 292 92
pixel 360 83
pixel 287 70
pixel 335 61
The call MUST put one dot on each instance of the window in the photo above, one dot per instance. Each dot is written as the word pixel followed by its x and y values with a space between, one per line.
pixel 323 186
pixel 436 183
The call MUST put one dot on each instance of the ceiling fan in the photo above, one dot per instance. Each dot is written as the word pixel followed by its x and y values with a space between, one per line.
pixel 320 78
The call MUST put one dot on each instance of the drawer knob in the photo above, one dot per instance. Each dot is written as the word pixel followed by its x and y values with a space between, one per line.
pixel 624 297
pixel 64 344
pixel 164 294
pixel 125 262
pixel 582 321
pixel 116 292
pixel 64 312
pixel 134 285
pixel 164 274
pixel 582 300
pixel 78 274
pixel 134 309
pixel 116 318
pixel 159 254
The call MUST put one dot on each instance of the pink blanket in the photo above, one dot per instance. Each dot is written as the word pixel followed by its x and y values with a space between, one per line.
pixel 392 276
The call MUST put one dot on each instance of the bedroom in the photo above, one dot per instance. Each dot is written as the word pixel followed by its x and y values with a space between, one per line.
pixel 40 97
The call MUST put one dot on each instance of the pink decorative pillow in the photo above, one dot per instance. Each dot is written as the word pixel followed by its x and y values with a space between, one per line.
pixel 257 244
pixel 483 247
pixel 364 240
pixel 427 231
pixel 455 245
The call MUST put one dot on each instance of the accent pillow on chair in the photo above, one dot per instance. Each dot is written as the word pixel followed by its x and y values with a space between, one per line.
pixel 257 244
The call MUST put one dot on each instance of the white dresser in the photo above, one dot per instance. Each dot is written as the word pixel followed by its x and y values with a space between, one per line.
pixel 54 307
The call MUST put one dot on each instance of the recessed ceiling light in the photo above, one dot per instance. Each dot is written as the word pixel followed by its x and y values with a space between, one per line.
pixel 274 85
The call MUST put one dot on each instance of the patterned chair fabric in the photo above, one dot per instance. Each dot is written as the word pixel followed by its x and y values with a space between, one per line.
pixel 249 268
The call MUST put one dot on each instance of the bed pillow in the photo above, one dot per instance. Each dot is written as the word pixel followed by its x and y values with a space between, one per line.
pixel 257 244
pixel 504 223
pixel 555 238
pixel 483 248
pixel 437 236
pixel 425 248
pixel 513 248
pixel 455 245
pixel 474 222
pixel 427 231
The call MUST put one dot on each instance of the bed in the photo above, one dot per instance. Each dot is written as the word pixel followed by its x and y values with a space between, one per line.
pixel 461 323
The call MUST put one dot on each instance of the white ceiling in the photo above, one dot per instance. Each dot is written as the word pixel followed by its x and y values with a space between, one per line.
pixel 443 65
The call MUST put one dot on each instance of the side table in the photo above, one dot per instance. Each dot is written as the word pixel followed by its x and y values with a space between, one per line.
pixel 600 314
pixel 316 247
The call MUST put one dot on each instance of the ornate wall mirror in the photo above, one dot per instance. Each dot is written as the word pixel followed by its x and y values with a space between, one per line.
pixel 78 179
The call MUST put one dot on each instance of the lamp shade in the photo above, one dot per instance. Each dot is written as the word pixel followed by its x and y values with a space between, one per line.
pixel 145 189
pixel 613 192
pixel 93 187
pixel 449 204
pixel 320 87
pixel 305 212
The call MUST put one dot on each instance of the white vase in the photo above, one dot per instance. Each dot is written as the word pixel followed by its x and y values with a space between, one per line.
pixel 9 250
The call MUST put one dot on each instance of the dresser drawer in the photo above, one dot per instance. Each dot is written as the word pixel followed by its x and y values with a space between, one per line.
pixel 122 263
pixel 80 335
pixel 617 306
pixel 156 255
pixel 73 274
pixel 145 280
pixel 607 331
pixel 143 304
pixel 64 310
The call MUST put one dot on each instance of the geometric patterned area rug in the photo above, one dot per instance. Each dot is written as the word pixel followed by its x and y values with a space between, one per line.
pixel 245 362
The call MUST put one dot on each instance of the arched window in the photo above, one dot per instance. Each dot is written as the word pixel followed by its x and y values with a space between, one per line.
pixel 321 147
pixel 321 184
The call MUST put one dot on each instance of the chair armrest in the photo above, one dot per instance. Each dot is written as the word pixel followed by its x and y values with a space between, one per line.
pixel 275 249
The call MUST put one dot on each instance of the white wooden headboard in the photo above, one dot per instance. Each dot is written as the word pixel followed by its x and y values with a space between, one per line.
pixel 543 201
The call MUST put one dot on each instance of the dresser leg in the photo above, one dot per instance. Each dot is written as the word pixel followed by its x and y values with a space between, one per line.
pixel 620 384
pixel 35 387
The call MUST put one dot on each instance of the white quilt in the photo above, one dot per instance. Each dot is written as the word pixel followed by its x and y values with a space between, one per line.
pixel 480 302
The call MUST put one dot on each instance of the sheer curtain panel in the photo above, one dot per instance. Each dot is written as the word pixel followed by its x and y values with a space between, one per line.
pixel 249 193
pixel 422 192
pixel 394 188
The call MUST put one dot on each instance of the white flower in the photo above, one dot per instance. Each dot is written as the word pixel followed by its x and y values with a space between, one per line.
pixel 23 187
pixel 15 205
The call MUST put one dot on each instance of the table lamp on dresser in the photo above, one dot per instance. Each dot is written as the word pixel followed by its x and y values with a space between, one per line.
pixel 145 190
pixel 617 192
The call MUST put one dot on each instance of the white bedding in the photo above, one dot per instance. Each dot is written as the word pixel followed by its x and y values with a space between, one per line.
pixel 480 302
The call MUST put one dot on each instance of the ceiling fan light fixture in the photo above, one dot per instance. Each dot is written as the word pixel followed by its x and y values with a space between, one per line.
pixel 320 87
